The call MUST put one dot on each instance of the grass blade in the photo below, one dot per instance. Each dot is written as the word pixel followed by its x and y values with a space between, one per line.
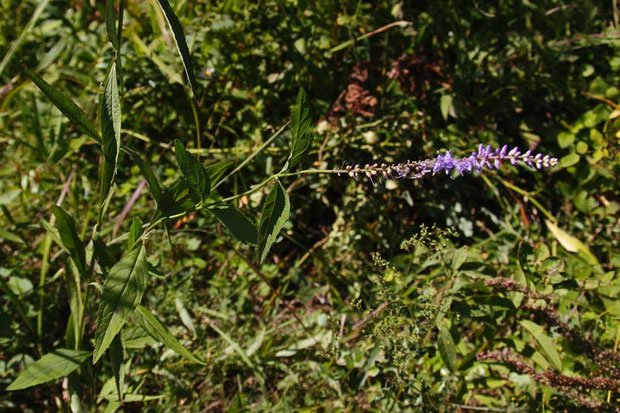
pixel 22 36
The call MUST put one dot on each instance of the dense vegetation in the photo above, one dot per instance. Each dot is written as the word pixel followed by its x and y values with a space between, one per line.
pixel 174 235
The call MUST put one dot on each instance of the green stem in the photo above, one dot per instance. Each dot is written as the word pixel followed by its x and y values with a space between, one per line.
pixel 530 198
pixel 249 158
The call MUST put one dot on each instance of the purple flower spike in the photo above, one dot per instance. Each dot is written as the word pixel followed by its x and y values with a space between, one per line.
pixel 483 158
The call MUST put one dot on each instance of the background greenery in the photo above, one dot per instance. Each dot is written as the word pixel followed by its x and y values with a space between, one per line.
pixel 393 282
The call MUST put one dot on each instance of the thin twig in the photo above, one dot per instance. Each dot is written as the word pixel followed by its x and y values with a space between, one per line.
pixel 370 316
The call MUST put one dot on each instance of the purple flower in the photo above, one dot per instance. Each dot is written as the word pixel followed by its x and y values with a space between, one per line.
pixel 483 158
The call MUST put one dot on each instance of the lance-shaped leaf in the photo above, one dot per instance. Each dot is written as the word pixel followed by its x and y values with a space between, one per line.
pixel 241 227
pixel 122 292
pixel 179 40
pixel 545 344
pixel 117 354
pixel 111 25
pixel 275 213
pixel 147 173
pixel 54 365
pixel 301 131
pixel 447 349
pixel 194 173
pixel 70 239
pixel 65 105
pixel 134 233
pixel 156 329
pixel 110 131
pixel 74 293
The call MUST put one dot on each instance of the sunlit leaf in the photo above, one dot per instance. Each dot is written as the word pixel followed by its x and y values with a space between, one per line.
pixel 545 344
pixel 54 365
pixel 179 40
pixel 153 326
pixel 65 105
pixel 447 349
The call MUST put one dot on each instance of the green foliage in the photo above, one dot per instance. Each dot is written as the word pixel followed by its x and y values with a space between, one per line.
pixel 496 291
pixel 52 366
pixel 275 213
pixel 122 292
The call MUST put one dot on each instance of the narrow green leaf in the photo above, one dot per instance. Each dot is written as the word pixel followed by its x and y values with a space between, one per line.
pixel 110 131
pixel 194 173
pixel 544 342
pixel 571 243
pixel 241 227
pixel 216 170
pixel 275 213
pixel 122 292
pixel 148 174
pixel 301 131
pixel 22 36
pixel 447 349
pixel 111 24
pixel 117 354
pixel 154 327
pixel 106 257
pixel 65 105
pixel 134 233
pixel 446 106
pixel 70 239
pixel 179 40
pixel 54 365
pixel 74 291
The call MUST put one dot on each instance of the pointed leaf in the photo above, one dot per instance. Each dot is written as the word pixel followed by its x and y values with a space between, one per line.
pixel 70 239
pixel 74 291
pixel 118 357
pixel 134 233
pixel 158 331
pixel 65 105
pixel 110 131
pixel 241 227
pixel 111 24
pixel 122 292
pixel 194 173
pixel 179 40
pixel 447 349
pixel 147 173
pixel 570 243
pixel 275 213
pixel 54 365
pixel 544 342
pixel 301 131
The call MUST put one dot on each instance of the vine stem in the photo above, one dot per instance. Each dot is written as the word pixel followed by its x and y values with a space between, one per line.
pixel 248 192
